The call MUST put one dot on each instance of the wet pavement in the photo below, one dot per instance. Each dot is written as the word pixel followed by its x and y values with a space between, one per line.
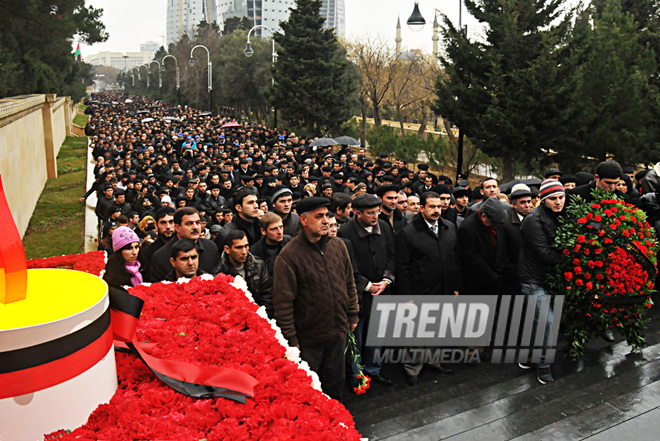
pixel 610 394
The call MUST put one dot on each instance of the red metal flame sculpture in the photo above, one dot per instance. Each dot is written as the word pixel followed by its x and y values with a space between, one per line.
pixel 13 267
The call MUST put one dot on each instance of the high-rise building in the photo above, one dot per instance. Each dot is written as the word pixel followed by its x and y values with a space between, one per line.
pixel 183 17
pixel 335 16
pixel 271 12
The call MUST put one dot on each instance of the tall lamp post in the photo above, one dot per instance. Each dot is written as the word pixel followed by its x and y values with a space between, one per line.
pixel 416 22
pixel 210 71
pixel 146 67
pixel 248 51
pixel 160 78
pixel 176 63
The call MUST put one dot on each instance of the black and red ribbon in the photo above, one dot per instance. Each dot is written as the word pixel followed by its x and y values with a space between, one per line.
pixel 41 366
pixel 190 380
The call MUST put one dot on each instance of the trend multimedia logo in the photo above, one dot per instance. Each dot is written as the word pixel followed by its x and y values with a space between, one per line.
pixel 519 329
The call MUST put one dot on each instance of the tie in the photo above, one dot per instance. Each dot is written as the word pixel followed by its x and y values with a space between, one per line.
pixel 434 229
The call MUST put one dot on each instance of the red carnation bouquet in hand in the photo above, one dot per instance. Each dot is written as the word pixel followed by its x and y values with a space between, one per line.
pixel 607 270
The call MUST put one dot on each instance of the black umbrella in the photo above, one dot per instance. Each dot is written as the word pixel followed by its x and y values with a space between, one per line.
pixel 531 181
pixel 347 140
pixel 323 142
pixel 505 188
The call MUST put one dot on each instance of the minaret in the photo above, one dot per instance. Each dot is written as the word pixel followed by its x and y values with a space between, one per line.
pixel 435 37
pixel 398 35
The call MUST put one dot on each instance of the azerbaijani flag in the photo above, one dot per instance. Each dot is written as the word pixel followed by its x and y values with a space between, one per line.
pixel 77 55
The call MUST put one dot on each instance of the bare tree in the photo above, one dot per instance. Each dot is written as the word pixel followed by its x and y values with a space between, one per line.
pixel 376 65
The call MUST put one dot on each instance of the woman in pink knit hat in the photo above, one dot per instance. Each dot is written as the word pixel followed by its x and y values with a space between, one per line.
pixel 123 267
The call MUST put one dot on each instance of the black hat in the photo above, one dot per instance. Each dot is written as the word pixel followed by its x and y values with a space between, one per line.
pixel 424 167
pixel 164 190
pixel 583 178
pixel 388 178
pixel 327 168
pixel 310 204
pixel 459 192
pixel 366 201
pixel 552 171
pixel 476 194
pixel 463 183
pixel 441 189
pixel 565 179
pixel 385 188
pixel 338 175
pixel 118 192
pixel 494 210
pixel 640 174
pixel 214 186
pixel 609 170
pixel 313 179
pixel 520 191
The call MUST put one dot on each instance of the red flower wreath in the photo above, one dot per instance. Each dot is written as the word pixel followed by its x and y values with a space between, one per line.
pixel 606 271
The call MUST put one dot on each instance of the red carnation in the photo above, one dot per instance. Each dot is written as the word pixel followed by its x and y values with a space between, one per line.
pixel 589 285
pixel 577 270
pixel 581 238
pixel 568 275
pixel 579 282
pixel 582 220
pixel 598 218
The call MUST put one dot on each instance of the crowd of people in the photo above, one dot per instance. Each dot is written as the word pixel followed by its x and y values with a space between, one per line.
pixel 318 231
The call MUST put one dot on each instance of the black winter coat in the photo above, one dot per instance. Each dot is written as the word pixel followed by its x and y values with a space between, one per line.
pixel 258 281
pixel 374 254
pixel 537 255
pixel 487 269
pixel 427 264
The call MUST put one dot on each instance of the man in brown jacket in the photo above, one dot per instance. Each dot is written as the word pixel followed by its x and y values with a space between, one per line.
pixel 314 295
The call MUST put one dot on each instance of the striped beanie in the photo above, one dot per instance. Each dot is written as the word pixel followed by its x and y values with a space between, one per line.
pixel 551 187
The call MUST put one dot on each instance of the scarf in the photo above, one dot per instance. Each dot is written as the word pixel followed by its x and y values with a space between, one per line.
pixel 134 269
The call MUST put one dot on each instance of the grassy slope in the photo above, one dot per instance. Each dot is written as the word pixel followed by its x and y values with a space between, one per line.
pixel 56 226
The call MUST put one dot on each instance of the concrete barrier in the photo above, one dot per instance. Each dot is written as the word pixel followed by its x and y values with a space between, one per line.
pixel 32 130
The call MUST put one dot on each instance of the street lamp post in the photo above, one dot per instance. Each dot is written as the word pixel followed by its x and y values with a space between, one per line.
pixel 146 66
pixel 160 78
pixel 248 51
pixel 176 64
pixel 138 71
pixel 210 72
pixel 416 22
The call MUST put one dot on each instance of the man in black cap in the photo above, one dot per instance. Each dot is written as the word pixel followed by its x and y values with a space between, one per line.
pixel 389 194
pixel 483 252
pixel 314 295
pixel 282 202
pixel 373 245
pixel 462 197
pixel 449 213
pixel 606 177
pixel 568 181
pixel 553 173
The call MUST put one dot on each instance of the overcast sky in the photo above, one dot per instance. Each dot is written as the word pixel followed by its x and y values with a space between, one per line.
pixel 133 22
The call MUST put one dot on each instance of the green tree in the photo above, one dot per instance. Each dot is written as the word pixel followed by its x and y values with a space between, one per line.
pixel 235 23
pixel 511 94
pixel 36 45
pixel 245 83
pixel 619 85
pixel 314 87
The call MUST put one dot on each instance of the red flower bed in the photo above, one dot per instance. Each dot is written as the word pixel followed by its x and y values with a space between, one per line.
pixel 92 263
pixel 212 323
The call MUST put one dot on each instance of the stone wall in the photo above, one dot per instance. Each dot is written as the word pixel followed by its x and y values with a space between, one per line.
pixel 32 130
